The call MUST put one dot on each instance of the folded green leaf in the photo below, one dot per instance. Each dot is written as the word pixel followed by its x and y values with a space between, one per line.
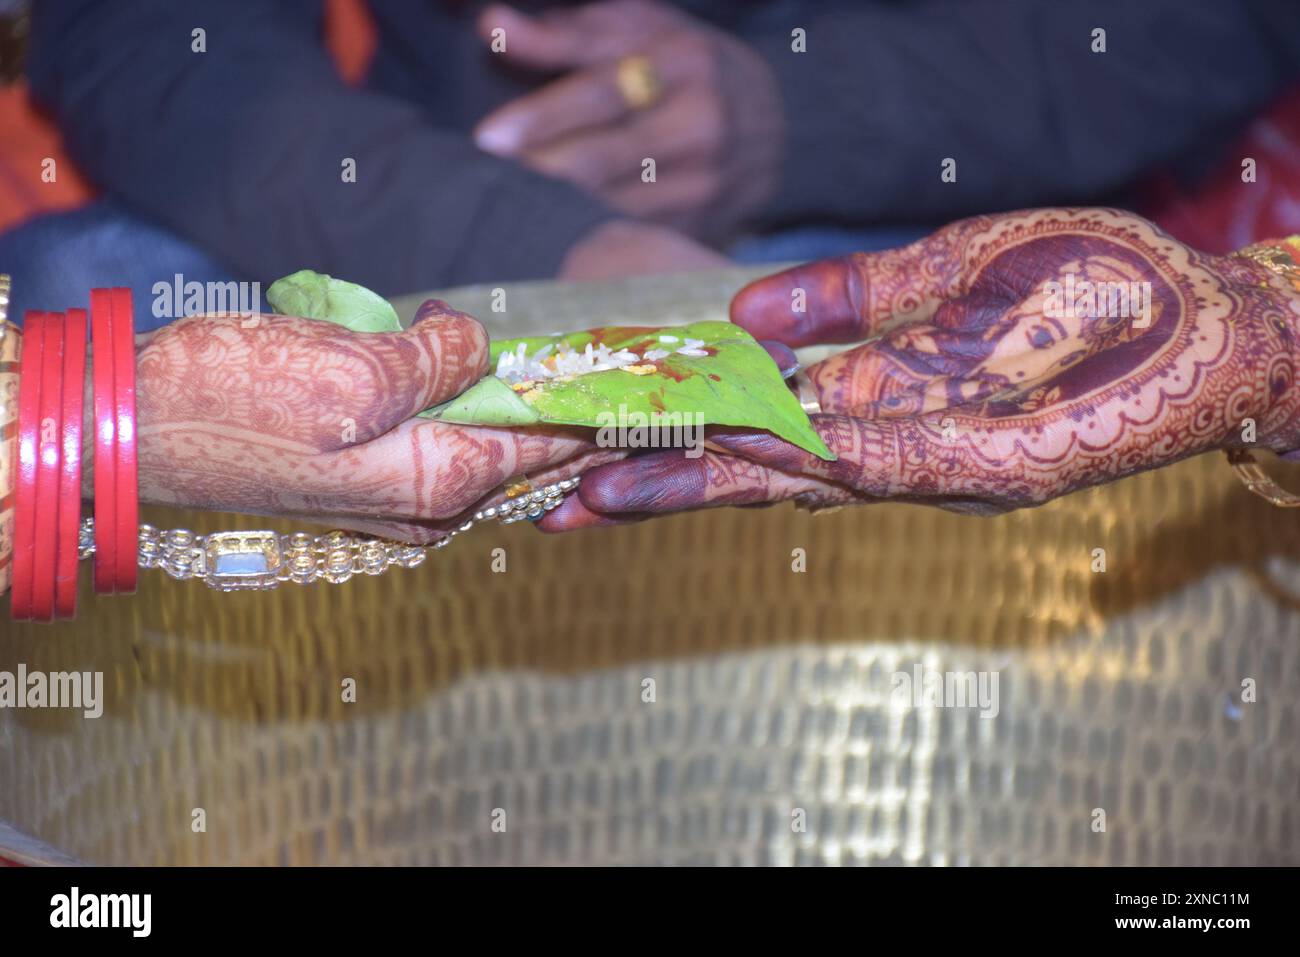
pixel 707 373
pixel 710 373
pixel 488 402
pixel 314 295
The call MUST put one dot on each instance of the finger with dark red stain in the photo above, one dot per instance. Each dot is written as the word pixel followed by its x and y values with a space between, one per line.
pixel 671 482
pixel 854 297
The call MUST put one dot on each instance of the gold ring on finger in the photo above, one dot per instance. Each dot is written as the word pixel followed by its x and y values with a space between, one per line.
pixel 638 82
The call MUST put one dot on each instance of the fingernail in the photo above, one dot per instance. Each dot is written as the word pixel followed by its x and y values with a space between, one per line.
pixel 497 138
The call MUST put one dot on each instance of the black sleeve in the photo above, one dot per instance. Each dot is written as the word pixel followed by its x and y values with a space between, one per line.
pixel 241 149
pixel 1013 92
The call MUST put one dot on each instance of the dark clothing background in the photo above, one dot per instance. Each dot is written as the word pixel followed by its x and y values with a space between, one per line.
pixel 240 148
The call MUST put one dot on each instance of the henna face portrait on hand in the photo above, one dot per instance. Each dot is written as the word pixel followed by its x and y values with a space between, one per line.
pixel 982 387
pixel 280 415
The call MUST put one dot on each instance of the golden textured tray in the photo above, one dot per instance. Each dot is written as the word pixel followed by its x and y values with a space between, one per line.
pixel 502 718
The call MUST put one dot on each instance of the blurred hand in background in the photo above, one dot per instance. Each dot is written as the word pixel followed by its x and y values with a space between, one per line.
pixel 703 105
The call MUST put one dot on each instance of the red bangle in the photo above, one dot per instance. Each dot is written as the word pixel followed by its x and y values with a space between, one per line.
pixel 101 339
pixel 48 470
pixel 74 383
pixel 29 398
pixel 127 476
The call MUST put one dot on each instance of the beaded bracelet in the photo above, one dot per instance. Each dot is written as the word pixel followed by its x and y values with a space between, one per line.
pixel 50 536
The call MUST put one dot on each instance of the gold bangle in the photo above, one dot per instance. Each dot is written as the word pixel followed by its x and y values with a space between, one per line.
pixel 1280 256
pixel 1254 478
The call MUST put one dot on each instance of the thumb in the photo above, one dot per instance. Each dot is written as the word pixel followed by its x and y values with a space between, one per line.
pixel 453 353
pixel 439 356
pixel 809 304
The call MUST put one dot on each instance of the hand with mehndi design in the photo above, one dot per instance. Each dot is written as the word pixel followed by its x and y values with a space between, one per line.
pixel 279 415
pixel 979 390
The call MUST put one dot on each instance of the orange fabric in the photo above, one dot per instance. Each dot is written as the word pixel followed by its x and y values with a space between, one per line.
pixel 27 138
pixel 351 37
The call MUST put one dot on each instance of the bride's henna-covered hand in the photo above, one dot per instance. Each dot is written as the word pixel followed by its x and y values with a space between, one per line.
pixel 979 391
pixel 279 415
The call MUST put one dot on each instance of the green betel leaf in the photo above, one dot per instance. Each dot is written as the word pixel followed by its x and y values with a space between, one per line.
pixel 490 401
pixel 314 295
pixel 707 373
